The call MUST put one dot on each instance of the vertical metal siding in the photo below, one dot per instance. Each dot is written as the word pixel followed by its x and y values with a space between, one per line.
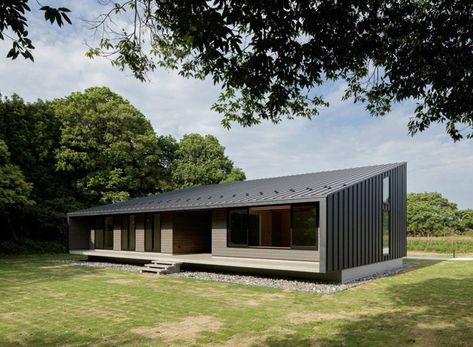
pixel 355 222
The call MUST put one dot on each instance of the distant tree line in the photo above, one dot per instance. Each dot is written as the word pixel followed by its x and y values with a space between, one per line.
pixel 90 148
pixel 430 214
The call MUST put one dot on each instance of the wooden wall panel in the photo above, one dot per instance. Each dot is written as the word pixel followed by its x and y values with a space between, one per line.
pixel 140 233
pixel 192 232
pixel 167 232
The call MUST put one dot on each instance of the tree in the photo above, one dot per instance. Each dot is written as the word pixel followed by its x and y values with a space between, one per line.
pixel 270 57
pixel 14 190
pixel 14 25
pixel 167 155
pixel 107 145
pixel 201 160
pixel 430 214
pixel 466 220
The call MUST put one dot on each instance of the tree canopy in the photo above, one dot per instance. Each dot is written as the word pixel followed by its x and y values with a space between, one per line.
pixel 14 25
pixel 202 160
pixel 108 145
pixel 271 57
pixel 431 214
pixel 89 148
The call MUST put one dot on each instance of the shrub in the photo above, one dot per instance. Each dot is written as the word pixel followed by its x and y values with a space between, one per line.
pixel 25 246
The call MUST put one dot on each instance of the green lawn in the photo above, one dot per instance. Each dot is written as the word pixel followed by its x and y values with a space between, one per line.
pixel 462 245
pixel 44 303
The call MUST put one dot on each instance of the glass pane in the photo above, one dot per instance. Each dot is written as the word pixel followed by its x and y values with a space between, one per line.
pixel 99 238
pixel 148 235
pixel 132 233
pixel 253 230
pixel 386 228
pixel 108 237
pixel 157 232
pixel 99 234
pixel 304 226
pixel 125 233
pixel 238 227
pixel 386 192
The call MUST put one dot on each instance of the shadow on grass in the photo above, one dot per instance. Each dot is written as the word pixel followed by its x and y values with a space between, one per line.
pixel 434 312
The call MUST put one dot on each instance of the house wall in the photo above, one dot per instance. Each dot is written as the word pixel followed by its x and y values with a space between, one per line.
pixel 117 233
pixel 191 232
pixel 140 233
pixel 354 222
pixel 167 232
pixel 79 233
pixel 219 244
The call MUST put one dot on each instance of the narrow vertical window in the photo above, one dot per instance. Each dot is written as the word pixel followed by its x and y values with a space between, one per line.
pixel 386 215
pixel 99 235
pixel 157 232
pixel 128 232
pixel 108 233
pixel 153 232
pixel 132 232
pixel 125 233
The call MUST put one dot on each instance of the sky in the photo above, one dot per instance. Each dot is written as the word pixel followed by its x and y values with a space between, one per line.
pixel 343 135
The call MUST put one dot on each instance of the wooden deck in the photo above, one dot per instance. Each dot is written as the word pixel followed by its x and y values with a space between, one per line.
pixel 208 260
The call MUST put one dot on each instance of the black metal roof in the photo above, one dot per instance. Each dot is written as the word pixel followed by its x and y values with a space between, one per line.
pixel 266 191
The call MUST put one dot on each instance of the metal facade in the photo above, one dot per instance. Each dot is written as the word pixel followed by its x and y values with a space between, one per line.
pixel 355 221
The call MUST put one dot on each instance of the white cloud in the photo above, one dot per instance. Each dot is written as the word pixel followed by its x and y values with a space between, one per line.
pixel 343 135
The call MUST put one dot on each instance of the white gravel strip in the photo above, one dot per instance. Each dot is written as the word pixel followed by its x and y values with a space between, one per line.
pixel 280 283
pixel 286 284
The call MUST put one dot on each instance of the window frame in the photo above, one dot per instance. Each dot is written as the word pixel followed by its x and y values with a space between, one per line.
pixel 152 218
pixel 315 204
pixel 386 208
pixel 129 233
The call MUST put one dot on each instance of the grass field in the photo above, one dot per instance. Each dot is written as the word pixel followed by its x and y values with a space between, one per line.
pixel 46 303
pixel 462 245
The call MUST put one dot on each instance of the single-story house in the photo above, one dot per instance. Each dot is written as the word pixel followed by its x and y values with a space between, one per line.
pixel 338 225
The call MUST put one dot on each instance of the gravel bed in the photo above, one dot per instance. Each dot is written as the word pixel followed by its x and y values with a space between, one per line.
pixel 286 284
pixel 102 265
pixel 272 282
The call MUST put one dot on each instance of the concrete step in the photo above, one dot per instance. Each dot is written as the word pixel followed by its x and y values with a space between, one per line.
pixel 164 262
pixel 157 266
pixel 161 268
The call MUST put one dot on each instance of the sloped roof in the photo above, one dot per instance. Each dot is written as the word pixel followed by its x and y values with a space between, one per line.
pixel 266 191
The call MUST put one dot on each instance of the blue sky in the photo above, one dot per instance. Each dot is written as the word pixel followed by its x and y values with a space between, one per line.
pixel 343 135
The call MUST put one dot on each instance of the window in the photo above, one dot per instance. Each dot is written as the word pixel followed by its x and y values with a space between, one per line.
pixel 304 227
pixel 99 235
pixel 108 233
pixel 104 232
pixel 270 226
pixel 238 227
pixel 153 232
pixel 128 233
pixel 386 215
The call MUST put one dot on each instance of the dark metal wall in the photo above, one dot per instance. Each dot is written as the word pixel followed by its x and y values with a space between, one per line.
pixel 354 222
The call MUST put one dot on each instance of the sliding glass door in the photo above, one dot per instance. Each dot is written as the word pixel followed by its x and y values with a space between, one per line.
pixel 282 226
pixel 152 232
pixel 128 232
pixel 104 233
